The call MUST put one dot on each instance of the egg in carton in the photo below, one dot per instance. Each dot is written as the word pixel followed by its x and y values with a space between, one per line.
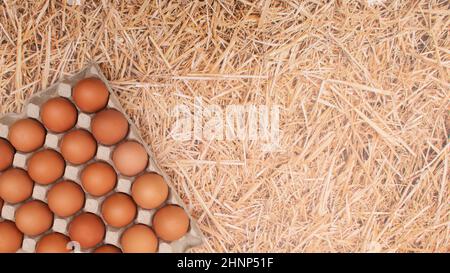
pixel 72 172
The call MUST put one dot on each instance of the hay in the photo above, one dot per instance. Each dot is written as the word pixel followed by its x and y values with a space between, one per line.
pixel 364 91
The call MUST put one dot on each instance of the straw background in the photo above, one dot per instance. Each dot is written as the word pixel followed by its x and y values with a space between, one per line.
pixel 364 95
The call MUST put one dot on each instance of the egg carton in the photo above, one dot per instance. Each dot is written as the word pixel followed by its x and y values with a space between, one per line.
pixel 92 204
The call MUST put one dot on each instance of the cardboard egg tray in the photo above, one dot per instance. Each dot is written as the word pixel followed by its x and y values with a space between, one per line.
pixel 72 172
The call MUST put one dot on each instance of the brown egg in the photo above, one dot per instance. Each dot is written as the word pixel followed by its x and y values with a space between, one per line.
pixel 109 127
pixel 34 218
pixel 87 229
pixel 65 198
pixel 15 185
pixel 108 249
pixel 53 243
pixel 59 114
pixel 149 190
pixel 7 154
pixel 10 237
pixel 139 239
pixel 27 135
pixel 78 147
pixel 46 166
pixel 98 178
pixel 90 95
pixel 130 158
pixel 170 223
pixel 118 210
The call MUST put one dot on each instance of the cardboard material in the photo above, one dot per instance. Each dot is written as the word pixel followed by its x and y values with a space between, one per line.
pixel 92 204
